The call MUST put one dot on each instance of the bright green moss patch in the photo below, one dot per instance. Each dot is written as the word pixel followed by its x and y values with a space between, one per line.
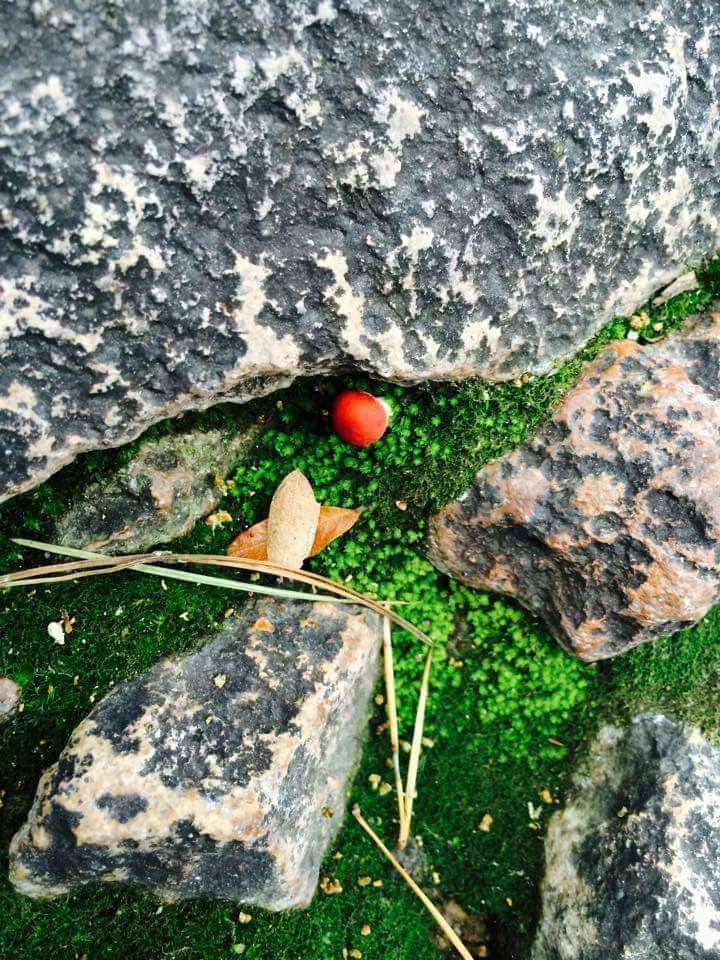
pixel 508 708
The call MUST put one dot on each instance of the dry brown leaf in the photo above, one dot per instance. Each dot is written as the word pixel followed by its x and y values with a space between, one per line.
pixel 263 625
pixel 251 544
pixel 292 521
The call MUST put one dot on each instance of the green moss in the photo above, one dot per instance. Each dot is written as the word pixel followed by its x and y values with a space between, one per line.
pixel 507 711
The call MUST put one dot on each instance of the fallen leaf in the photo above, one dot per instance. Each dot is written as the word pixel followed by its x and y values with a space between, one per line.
pixel 292 521
pixel 333 522
pixel 263 625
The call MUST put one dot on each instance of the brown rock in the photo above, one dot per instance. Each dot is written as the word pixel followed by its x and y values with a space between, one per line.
pixel 608 523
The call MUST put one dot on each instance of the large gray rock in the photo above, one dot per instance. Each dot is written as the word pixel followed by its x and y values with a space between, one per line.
pixel 607 524
pixel 632 861
pixel 220 774
pixel 203 200
pixel 159 495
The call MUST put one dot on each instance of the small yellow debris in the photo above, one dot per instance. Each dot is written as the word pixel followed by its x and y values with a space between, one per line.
pixel 21 708
pixel 365 930
pixel 622 812
pixel 379 699
pixel 546 796
pixel 356 954
pixel 208 720
pixel 76 680
pixel 486 822
pixel 454 662
pixel 639 321
pixel 327 812
pixel 377 883
pixel 436 877
pixel 263 625
pixel 238 949
pixel 405 746
pixel 401 504
pixel 218 519
pixel 244 917
pixel 68 622
pixel 428 742
pixel 220 484
pixel 384 789
pixel 364 881
pixel 229 612
pixel 482 951
pixel 219 680
pixel 184 615
pixel 337 855
pixel 508 901
pixel 330 886
pixel 374 780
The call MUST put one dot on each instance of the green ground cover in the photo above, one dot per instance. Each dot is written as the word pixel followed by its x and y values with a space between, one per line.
pixel 508 709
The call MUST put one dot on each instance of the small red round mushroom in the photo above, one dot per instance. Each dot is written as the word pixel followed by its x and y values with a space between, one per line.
pixel 358 417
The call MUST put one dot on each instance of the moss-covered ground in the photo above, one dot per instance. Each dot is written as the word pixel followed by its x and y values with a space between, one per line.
pixel 508 710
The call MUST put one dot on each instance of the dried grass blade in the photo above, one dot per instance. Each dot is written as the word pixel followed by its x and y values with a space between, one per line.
pixel 304 576
pixel 391 708
pixel 342 594
pixel 167 572
pixel 424 899
pixel 415 753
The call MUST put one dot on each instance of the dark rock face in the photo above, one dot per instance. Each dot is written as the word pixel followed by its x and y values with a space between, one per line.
pixel 221 774
pixel 159 495
pixel 608 523
pixel 631 862
pixel 202 202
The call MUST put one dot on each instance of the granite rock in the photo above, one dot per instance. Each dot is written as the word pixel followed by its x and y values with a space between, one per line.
pixel 200 201
pixel 159 495
pixel 631 862
pixel 608 523
pixel 220 774
pixel 9 699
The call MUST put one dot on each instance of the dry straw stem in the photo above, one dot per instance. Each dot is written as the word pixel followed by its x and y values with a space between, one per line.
pixel 415 753
pixel 391 707
pixel 94 564
pixel 424 899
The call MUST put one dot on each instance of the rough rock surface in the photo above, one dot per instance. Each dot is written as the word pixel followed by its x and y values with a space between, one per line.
pixel 632 860
pixel 221 774
pixel 9 699
pixel 203 200
pixel 168 485
pixel 608 523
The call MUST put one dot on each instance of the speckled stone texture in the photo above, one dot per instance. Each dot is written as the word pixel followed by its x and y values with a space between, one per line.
pixel 202 200
pixel 608 523
pixel 9 699
pixel 221 774
pixel 159 495
pixel 632 861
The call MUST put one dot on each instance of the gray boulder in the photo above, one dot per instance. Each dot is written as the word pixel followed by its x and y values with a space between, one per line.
pixel 219 774
pixel 201 203
pixel 9 699
pixel 167 486
pixel 607 524
pixel 632 860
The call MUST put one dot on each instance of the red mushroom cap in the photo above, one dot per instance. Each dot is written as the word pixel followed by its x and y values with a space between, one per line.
pixel 358 417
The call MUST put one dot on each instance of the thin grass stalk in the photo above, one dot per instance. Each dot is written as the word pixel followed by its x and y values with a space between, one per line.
pixel 424 899
pixel 391 709
pixel 415 753
pixel 258 566
pixel 168 572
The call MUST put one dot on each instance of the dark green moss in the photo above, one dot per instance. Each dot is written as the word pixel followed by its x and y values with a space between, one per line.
pixel 507 712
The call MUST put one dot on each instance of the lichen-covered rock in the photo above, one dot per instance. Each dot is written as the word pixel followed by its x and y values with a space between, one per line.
pixel 608 523
pixel 632 860
pixel 202 201
pixel 167 486
pixel 9 699
pixel 220 774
